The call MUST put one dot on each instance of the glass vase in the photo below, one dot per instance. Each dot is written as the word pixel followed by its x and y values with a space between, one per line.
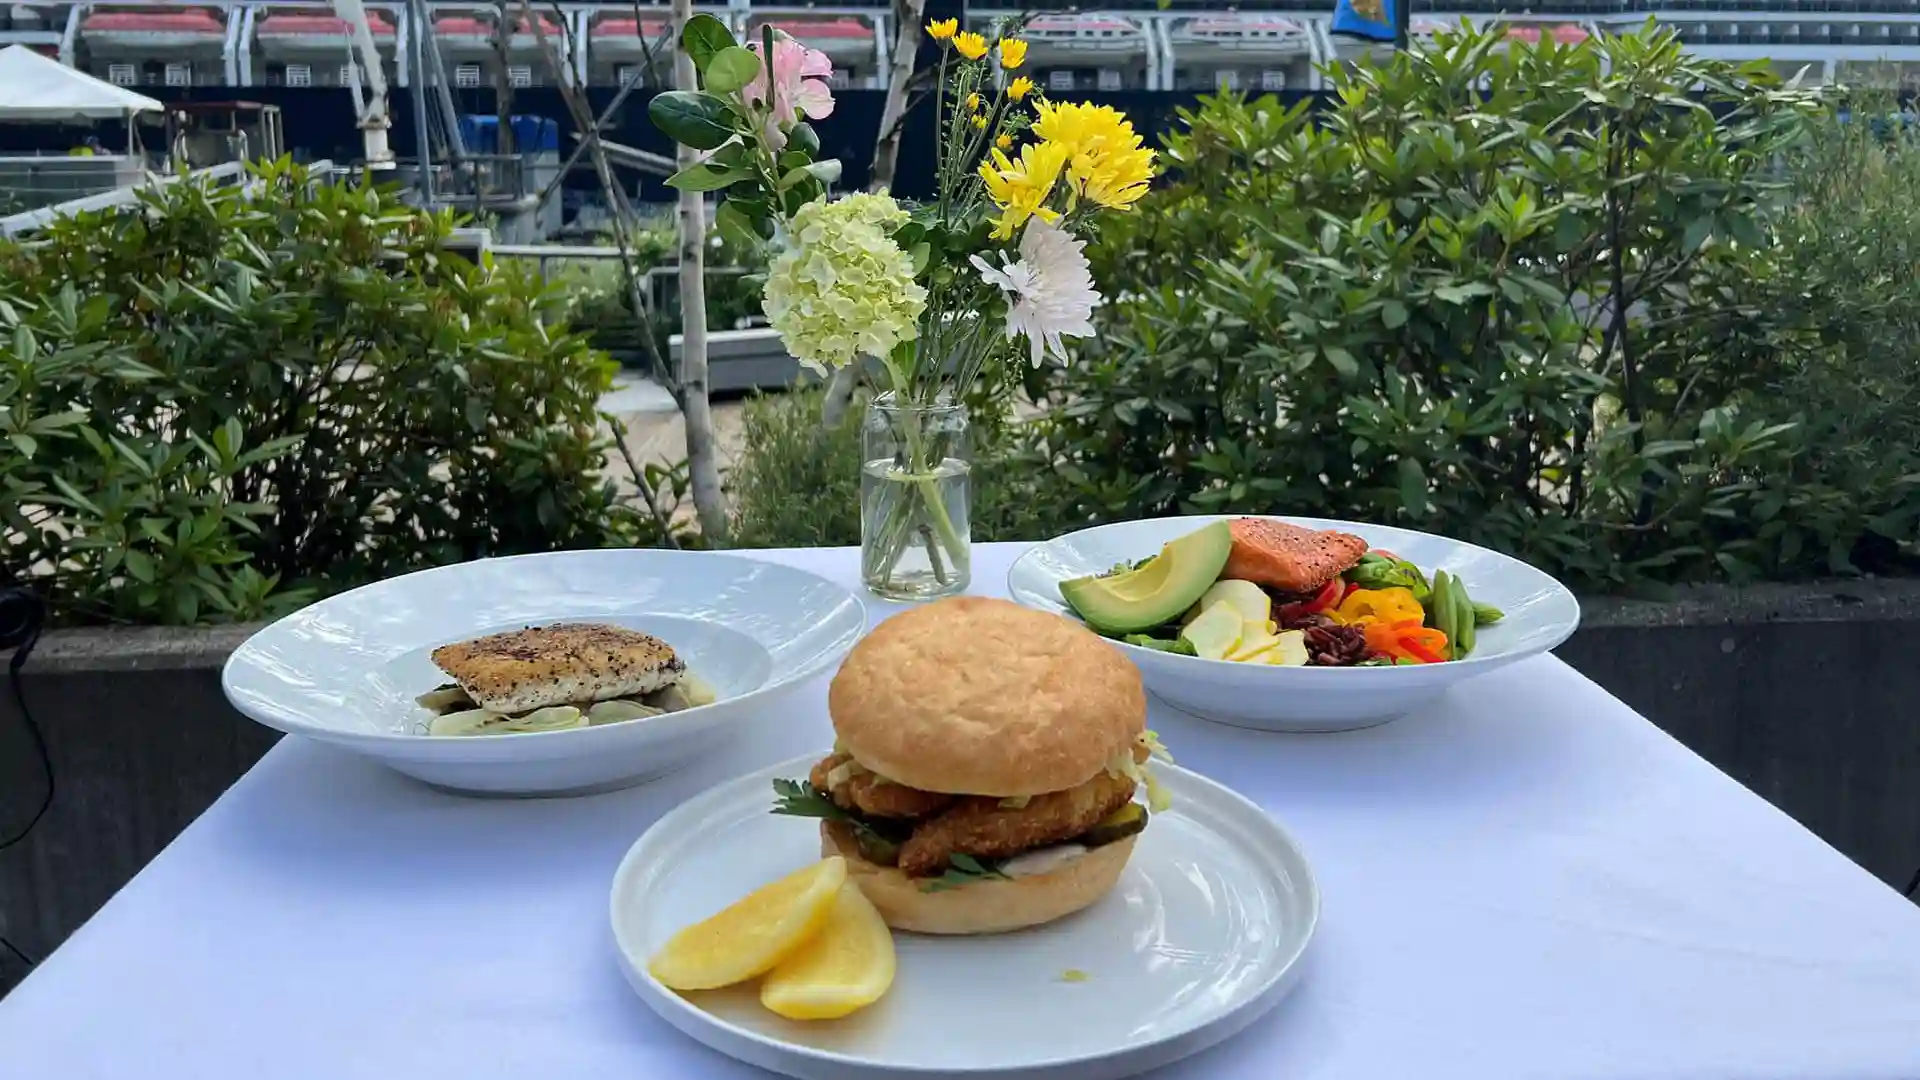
pixel 914 475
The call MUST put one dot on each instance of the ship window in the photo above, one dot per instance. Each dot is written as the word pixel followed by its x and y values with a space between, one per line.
pixel 466 76
pixel 1060 79
pixel 179 75
pixel 1271 80
pixel 1226 79
pixel 520 75
pixel 122 75
pixel 839 78
pixel 629 75
pixel 1109 79
pixel 346 74
pixel 299 75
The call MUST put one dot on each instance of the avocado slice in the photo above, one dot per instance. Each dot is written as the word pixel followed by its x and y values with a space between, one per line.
pixel 1116 826
pixel 1158 591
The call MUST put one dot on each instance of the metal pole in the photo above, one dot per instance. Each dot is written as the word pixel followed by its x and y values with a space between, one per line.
pixel 422 138
pixel 1402 22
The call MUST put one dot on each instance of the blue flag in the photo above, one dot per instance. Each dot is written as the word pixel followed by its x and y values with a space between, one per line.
pixel 1372 20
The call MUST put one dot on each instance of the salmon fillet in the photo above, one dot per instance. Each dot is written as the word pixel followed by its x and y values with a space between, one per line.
pixel 566 664
pixel 1288 558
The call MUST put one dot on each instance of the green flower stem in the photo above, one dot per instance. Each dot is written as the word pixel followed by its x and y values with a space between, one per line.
pixel 921 478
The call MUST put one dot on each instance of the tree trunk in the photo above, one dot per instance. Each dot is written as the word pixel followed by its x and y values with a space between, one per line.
pixel 906 43
pixel 503 77
pixel 703 467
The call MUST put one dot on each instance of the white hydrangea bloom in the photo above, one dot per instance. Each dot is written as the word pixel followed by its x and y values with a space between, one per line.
pixel 842 288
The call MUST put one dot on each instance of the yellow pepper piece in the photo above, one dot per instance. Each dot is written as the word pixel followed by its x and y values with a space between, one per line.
pixel 1363 606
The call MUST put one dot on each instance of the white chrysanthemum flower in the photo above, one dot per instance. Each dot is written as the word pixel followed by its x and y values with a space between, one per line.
pixel 1049 289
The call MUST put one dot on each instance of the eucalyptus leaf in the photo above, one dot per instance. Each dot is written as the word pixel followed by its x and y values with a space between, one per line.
pixel 691 118
pixel 705 37
pixel 730 69
pixel 706 178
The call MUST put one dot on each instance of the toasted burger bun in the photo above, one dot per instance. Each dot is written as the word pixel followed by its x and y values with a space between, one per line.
pixel 990 907
pixel 972 696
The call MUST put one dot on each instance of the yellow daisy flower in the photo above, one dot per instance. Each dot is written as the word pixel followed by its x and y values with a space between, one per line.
pixel 1020 188
pixel 980 122
pixel 971 45
pixel 973 102
pixel 943 29
pixel 1107 163
pixel 1004 142
pixel 1019 88
pixel 1013 53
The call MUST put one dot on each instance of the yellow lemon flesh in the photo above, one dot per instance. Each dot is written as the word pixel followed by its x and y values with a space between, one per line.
pixel 847 966
pixel 756 933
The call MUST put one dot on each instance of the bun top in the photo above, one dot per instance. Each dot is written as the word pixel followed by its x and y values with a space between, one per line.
pixel 973 696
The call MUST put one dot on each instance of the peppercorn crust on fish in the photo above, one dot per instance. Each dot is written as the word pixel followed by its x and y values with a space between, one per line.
pixel 564 664
pixel 1288 558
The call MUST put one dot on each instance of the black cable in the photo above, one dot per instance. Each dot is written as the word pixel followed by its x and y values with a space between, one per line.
pixel 22 615
pixel 1914 885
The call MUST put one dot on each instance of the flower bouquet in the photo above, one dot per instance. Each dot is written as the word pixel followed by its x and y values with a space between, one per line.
pixel 934 295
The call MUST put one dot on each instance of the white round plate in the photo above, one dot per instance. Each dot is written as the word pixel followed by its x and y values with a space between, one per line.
pixel 1202 935
pixel 1540 614
pixel 346 670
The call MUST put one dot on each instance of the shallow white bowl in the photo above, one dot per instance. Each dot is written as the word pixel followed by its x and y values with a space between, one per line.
pixel 1540 614
pixel 346 670
pixel 1202 935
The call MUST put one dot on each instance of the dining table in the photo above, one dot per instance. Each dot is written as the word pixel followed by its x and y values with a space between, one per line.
pixel 1526 880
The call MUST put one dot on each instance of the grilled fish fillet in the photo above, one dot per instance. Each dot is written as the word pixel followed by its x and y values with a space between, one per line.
pixel 566 664
pixel 1288 558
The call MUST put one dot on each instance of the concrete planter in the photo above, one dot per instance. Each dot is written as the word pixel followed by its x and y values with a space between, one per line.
pixel 1803 693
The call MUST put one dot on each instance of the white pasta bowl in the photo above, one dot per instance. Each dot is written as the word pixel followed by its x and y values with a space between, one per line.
pixel 1540 614
pixel 346 670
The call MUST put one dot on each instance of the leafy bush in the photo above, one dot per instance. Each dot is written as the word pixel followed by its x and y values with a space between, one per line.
pixel 217 403
pixel 595 291
pixel 1416 318
pixel 796 482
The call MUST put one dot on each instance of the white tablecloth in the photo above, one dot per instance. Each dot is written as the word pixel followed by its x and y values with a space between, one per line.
pixel 1529 882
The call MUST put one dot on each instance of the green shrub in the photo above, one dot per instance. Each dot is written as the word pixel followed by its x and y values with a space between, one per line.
pixel 218 403
pixel 1412 318
pixel 796 482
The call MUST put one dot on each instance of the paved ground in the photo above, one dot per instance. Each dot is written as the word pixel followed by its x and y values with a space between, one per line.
pixel 655 433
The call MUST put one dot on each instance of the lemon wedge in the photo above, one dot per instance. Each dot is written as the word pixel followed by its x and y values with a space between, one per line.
pixel 845 967
pixel 755 934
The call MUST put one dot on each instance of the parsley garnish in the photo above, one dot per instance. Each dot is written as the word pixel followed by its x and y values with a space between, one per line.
pixel 799 798
pixel 879 842
pixel 964 870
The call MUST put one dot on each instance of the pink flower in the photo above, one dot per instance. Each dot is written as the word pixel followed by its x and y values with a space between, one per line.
pixel 799 86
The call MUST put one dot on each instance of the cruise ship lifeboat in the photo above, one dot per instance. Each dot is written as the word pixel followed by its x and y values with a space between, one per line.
pixel 848 42
pixel 154 35
pixel 470 36
pixel 619 41
pixel 1082 40
pixel 308 34
pixel 1245 39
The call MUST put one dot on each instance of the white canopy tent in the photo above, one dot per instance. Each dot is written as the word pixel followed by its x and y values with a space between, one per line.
pixel 38 88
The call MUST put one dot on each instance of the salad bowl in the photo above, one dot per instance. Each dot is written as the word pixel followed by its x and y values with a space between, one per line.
pixel 1537 613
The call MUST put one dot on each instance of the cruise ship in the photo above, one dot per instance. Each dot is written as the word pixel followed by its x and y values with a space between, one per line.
pixel 1126 45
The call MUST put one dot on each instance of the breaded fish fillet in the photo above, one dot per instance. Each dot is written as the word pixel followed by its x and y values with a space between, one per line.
pixel 868 794
pixel 565 664
pixel 1288 558
pixel 984 828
